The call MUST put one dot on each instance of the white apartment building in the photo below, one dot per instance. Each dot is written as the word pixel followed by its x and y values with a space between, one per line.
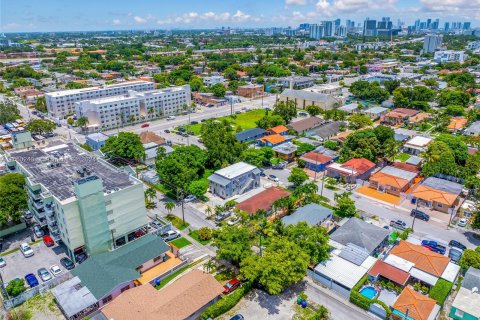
pixel 62 103
pixel 449 56
pixel 116 111
pixel 81 199
pixel 210 81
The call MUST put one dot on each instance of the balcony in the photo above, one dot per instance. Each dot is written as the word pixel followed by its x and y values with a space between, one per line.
pixel 38 205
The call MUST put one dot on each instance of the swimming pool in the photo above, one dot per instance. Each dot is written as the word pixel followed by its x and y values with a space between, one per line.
pixel 368 292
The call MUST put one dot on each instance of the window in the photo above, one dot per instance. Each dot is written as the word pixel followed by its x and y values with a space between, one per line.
pixel 157 259
pixel 439 205
pixel 459 313
pixel 107 299
pixel 125 288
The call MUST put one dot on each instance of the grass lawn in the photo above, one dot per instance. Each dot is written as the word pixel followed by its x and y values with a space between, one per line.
pixel 194 235
pixel 177 222
pixel 38 307
pixel 402 156
pixel 180 242
pixel 244 120
pixel 176 273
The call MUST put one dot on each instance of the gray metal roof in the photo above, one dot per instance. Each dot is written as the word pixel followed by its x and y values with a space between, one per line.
pixel 354 254
pixel 376 110
pixel 249 134
pixel 443 185
pixel 399 173
pixel 472 279
pixel 414 160
pixel 328 129
pixel 473 128
pixel 73 296
pixel 400 137
pixel 349 107
pixel 218 179
pixel 307 95
pixel 312 213
pixel 361 234
pixel 285 148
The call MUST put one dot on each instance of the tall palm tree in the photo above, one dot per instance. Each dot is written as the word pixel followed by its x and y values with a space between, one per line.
pixel 169 206
pixel 131 118
pixel 209 266
pixel 208 211
pixel 82 122
pixel 150 194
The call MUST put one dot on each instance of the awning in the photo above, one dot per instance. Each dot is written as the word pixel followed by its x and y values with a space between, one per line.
pixel 451 271
pixel 423 276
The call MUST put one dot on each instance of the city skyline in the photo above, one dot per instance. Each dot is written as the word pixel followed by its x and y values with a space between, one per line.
pixel 51 16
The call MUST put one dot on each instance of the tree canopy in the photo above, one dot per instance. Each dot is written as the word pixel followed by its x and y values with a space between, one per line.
pixel 126 145
pixel 369 91
pixel 40 126
pixel 13 197
pixel 8 112
pixel 286 110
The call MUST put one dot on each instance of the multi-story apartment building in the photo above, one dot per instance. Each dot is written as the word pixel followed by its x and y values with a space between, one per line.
pixel 432 42
pixel 62 103
pixel 296 82
pixel 210 81
pixel 234 180
pixel 78 198
pixel 115 111
pixel 449 56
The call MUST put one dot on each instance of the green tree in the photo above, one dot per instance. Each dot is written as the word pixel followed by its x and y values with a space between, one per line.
pixel 125 145
pixel 361 144
pixel 345 206
pixel 330 144
pixel 313 110
pixel 13 197
pixel 218 90
pixel 391 85
pixel 82 122
pixel 41 104
pixel 383 133
pixel 150 194
pixel 297 177
pixel 169 206
pixel 439 159
pixel 282 264
pixel 40 126
pixel 198 188
pixel 453 97
pixel 366 90
pixel 8 112
pixel 256 157
pixel 470 258
pixel 75 85
pixel 312 239
pixel 457 145
pixel 287 110
pixel 270 121
pixel 454 110
pixel 16 287
pixel 432 83
pixel 233 243
pixel 358 121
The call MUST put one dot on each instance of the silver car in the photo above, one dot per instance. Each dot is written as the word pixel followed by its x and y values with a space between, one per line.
pixel 44 274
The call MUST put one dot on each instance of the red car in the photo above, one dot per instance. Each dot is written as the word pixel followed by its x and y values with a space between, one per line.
pixel 139 233
pixel 145 125
pixel 48 241
pixel 231 285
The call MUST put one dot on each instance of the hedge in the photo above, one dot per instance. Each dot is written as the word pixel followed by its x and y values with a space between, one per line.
pixel 440 291
pixel 226 303
pixel 363 302
pixel 384 306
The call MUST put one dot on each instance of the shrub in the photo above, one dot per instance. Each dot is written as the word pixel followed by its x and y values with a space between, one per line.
pixel 205 233
pixel 359 299
pixel 384 306
pixel 440 291
pixel 470 258
pixel 226 303
pixel 16 287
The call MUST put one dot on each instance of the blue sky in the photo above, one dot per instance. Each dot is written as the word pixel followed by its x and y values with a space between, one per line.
pixel 76 15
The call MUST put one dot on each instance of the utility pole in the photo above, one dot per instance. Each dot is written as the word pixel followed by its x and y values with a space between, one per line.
pixel 415 215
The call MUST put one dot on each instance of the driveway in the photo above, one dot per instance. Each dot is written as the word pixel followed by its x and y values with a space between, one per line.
pixel 18 266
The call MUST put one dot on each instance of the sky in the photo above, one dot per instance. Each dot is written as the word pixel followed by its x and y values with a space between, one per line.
pixel 90 15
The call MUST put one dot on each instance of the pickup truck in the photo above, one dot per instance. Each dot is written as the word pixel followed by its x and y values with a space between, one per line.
pixel 398 224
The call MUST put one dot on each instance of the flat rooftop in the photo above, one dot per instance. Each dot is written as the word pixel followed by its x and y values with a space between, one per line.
pixel 235 170
pixel 75 91
pixel 58 167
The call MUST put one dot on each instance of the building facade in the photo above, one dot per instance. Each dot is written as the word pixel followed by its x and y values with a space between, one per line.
pixel 234 180
pixel 116 111
pixel 62 103
pixel 432 42
pixel 449 56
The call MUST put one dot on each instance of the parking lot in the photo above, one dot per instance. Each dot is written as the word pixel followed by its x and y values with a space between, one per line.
pixel 18 266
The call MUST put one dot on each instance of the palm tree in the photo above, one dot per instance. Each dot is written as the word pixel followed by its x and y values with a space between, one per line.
pixel 169 206
pixel 208 211
pixel 131 118
pixel 82 122
pixel 151 111
pixel 209 266
pixel 150 194
pixel 219 209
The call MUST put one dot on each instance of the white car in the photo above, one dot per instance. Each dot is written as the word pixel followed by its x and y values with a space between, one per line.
pixel 38 231
pixel 170 235
pixel 233 221
pixel 273 178
pixel 55 270
pixel 170 118
pixel 3 263
pixel 462 222
pixel 189 198
pixel 26 250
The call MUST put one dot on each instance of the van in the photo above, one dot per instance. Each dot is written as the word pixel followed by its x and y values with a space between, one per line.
pixel 171 118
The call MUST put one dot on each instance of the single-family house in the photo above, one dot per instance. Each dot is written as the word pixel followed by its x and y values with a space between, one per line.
pixel 438 194
pixel 316 161
pixel 398 115
pixel 186 298
pixel 263 200
pixel 96 140
pixel 272 140
pixel 392 180
pixel 417 145
pixel 250 134
pixel 466 305
pixel 281 130
pixel 304 125
pixel 376 112
pixel 411 304
pixel 313 214
pixel 473 129
pixel 286 151
pixel 327 130
pixel 457 124
pixel 352 170
pixel 303 99
pixel 103 277
pixel 350 108
pixel 234 180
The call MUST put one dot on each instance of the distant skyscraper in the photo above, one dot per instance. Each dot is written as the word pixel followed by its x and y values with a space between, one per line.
pixel 432 42
pixel 435 24
pixel 337 23
pixel 446 27
pixel 417 24
pixel 466 26
pixel 370 27
pixel 429 23
pixel 328 28
pixel 304 26
pixel 316 31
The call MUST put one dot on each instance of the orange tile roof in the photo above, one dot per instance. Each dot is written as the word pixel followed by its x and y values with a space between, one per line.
pixel 388 180
pixel 315 157
pixel 278 129
pixel 457 123
pixel 241 73
pixel 405 166
pixel 390 272
pixel 420 117
pixel 177 301
pixel 406 112
pixel 273 139
pixel 361 165
pixel 262 200
pixel 430 194
pixel 424 259
pixel 419 306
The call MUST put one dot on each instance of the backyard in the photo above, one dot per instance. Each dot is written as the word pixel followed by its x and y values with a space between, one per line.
pixel 243 121
pixel 40 307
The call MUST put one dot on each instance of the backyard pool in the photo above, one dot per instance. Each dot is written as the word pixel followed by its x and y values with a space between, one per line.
pixel 368 292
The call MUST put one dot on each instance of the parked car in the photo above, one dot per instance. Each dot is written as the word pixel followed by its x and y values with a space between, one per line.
pixel 237 317
pixel 191 133
pixel 181 129
pixel 3 263
pixel 48 241
pixel 156 224
pixel 37 230
pixel 145 125
pixel 55 270
pixel 434 246
pixel 462 222
pixel 170 118
pixel 262 174
pixel 44 274
pixel 273 178
pixel 231 285
pixel 26 250
pixel 233 221
pixel 455 254
pixel 27 215
pixel 170 235
pixel 419 215
pixel 194 122
pixel 222 216
pixel 67 263
pixel 398 224
pixel 280 165
pixel 81 257
pixel 167 131
pixel 456 244
pixel 189 198
pixel 200 141
pixel 31 280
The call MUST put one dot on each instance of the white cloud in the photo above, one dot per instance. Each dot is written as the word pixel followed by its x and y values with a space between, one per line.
pixel 240 16
pixel 295 2
pixel 116 22
pixel 140 20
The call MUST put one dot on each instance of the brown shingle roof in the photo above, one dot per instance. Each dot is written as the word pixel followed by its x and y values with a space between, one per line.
pixel 315 157
pixel 419 306
pixel 305 124
pixel 424 259
pixel 177 301
pixel 262 200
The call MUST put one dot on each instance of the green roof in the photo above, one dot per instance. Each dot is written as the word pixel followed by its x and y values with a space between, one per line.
pixel 103 272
